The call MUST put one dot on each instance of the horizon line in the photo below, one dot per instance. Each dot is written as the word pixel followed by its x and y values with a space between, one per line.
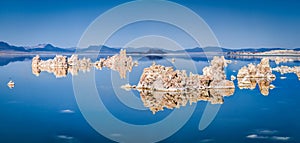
pixel 120 47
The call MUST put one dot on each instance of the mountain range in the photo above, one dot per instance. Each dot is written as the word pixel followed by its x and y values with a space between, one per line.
pixel 48 48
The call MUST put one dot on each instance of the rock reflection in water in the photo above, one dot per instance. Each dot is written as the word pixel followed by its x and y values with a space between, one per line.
pixel 119 62
pixel 261 74
pixel 161 86
pixel 60 65
pixel 286 69
pixel 277 59
pixel 157 100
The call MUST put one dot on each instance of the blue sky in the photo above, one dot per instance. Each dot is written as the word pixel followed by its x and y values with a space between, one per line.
pixel 236 24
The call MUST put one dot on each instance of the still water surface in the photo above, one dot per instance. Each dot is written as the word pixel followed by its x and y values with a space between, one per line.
pixel 44 109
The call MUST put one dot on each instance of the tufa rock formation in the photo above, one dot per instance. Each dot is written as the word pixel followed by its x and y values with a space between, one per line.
pixel 286 69
pixel 60 65
pixel 261 74
pixel 11 84
pixel 158 77
pixel 119 62
pixel 158 101
pixel 161 86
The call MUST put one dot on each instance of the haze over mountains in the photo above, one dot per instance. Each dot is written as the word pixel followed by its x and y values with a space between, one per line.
pixel 48 48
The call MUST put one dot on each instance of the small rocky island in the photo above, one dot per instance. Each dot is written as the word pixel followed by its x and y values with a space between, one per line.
pixel 261 74
pixel 286 69
pixel 11 84
pixel 60 65
pixel 161 86
pixel 119 62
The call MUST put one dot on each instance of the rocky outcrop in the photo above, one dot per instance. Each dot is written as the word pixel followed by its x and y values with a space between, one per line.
pixel 158 77
pixel 60 65
pixel 163 87
pixel 11 84
pixel 286 69
pixel 119 62
pixel 75 64
pixel 279 52
pixel 215 71
pixel 232 77
pixel 262 70
pixel 261 74
pixel 279 60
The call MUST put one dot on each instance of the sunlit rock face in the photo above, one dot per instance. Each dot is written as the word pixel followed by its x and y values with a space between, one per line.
pixel 232 77
pixel 280 52
pixel 158 77
pixel 216 70
pixel 75 65
pixel 286 69
pixel 261 74
pixel 73 60
pixel 262 70
pixel 279 60
pixel 119 62
pixel 35 61
pixel 11 84
pixel 35 65
pixel 163 87
pixel 57 61
pixel 60 66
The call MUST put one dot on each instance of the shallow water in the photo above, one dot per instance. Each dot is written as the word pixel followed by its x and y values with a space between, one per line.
pixel 44 108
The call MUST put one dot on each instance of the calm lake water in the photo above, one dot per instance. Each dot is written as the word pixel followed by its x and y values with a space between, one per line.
pixel 44 109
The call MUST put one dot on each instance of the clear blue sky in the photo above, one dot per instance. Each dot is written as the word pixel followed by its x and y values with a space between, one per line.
pixel 236 24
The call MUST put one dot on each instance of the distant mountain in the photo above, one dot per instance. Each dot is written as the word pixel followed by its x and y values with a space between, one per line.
pixel 39 48
pixel 197 49
pixel 96 49
pixel 36 46
pixel 48 48
pixel 6 47
pixel 297 49
pixel 148 50
pixel 256 50
pixel 155 51
pixel 206 49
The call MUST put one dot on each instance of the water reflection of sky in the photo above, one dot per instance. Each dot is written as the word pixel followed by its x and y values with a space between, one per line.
pixel 43 109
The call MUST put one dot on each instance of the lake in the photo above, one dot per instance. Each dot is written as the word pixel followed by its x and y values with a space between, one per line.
pixel 45 109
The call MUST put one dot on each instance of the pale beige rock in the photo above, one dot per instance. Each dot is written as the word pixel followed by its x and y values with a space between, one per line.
pixel 119 62
pixel 216 69
pixel 272 86
pixel 173 60
pixel 35 61
pixel 232 77
pixel 158 100
pixel 286 69
pixel 163 87
pixel 60 65
pixel 159 77
pixel 11 84
pixel 261 74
